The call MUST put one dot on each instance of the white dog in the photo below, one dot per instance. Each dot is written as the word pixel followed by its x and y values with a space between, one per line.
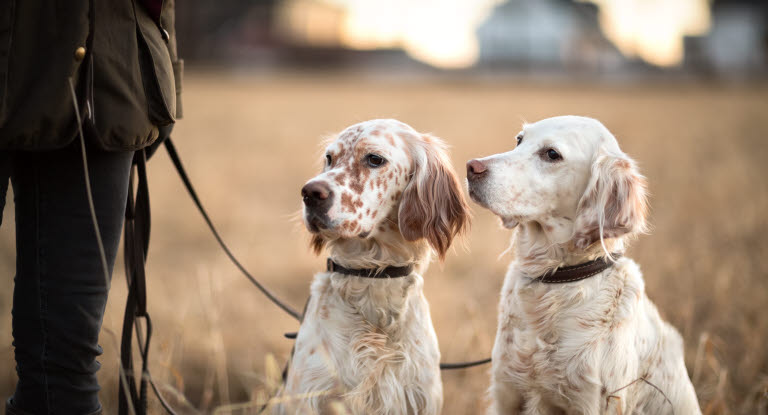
pixel 576 333
pixel 386 199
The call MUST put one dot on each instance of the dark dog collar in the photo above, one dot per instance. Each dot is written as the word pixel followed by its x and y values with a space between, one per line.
pixel 577 272
pixel 388 272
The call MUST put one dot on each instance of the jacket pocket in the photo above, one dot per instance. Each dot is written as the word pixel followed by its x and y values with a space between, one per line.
pixel 156 69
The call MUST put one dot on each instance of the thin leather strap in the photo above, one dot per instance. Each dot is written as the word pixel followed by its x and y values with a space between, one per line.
pixel 577 272
pixel 388 272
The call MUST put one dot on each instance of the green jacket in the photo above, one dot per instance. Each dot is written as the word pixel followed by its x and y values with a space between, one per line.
pixel 136 72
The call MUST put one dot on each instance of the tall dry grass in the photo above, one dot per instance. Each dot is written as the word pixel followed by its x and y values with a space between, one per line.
pixel 250 142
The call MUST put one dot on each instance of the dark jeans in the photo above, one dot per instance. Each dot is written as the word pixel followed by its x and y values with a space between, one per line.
pixel 60 291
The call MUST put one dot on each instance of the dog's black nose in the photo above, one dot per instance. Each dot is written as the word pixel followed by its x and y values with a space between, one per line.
pixel 476 169
pixel 317 194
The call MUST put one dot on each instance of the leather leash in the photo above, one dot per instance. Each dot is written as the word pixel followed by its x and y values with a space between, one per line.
pixel 135 248
pixel 193 194
pixel 393 271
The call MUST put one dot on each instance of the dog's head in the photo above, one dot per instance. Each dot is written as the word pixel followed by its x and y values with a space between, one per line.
pixel 568 175
pixel 382 179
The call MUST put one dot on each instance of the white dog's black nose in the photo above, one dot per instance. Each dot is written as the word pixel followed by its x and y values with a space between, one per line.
pixel 476 169
pixel 317 195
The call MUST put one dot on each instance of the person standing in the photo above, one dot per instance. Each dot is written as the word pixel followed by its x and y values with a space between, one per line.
pixel 121 57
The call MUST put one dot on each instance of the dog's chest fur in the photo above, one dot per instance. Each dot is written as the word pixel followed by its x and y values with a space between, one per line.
pixel 569 345
pixel 369 344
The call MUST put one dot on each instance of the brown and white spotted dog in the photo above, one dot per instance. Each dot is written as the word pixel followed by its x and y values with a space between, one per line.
pixel 590 346
pixel 387 197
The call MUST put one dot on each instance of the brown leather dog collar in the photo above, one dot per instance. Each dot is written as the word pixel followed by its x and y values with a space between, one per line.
pixel 388 272
pixel 577 272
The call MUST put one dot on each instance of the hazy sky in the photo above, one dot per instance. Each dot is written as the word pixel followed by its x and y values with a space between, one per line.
pixel 439 32
pixel 442 32
pixel 653 29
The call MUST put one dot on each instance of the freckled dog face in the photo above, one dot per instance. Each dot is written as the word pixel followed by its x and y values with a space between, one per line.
pixel 366 171
pixel 544 176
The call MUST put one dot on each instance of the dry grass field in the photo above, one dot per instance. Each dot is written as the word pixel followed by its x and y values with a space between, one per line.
pixel 251 141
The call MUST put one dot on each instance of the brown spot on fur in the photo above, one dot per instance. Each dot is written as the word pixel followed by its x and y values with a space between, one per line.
pixel 347 202
pixel 357 186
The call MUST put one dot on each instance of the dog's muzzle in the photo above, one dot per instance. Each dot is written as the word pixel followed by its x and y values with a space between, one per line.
pixel 318 198
pixel 476 172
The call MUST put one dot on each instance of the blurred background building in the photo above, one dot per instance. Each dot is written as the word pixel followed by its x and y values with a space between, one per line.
pixel 596 38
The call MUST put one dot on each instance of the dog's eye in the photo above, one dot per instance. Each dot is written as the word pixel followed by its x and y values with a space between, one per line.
pixel 375 160
pixel 328 160
pixel 519 139
pixel 553 155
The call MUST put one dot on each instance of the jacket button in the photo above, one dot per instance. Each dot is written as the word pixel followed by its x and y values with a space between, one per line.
pixel 80 53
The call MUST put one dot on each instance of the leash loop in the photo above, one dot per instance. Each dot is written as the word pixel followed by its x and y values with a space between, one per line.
pixel 135 249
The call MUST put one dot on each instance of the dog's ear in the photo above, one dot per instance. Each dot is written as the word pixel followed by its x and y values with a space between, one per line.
pixel 316 244
pixel 433 206
pixel 614 204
